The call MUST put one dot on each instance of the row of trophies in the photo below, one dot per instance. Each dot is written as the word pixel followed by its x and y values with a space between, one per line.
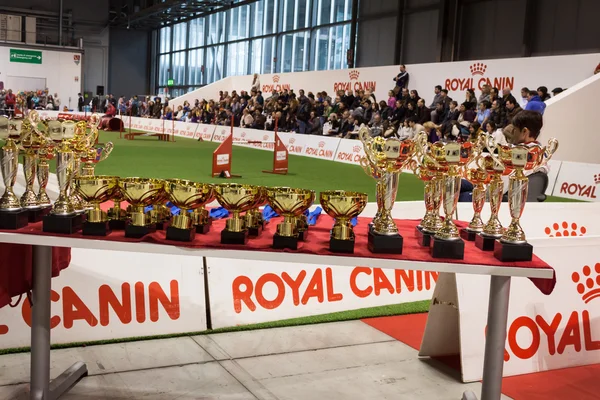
pixel 441 165
pixel 74 145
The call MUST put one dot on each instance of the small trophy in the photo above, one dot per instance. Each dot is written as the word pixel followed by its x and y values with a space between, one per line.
pixel 343 206
pixel 96 190
pixel 12 215
pixel 140 192
pixel 290 203
pixel 254 217
pixel 513 246
pixel 202 219
pixel 236 198
pixel 186 195
pixel 117 217
pixel 384 160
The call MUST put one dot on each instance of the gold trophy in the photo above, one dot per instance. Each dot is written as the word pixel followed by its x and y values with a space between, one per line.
pixel 254 218
pixel 46 154
pixel 186 195
pixel 343 206
pixel 384 160
pixel 64 218
pixel 117 217
pixel 432 174
pixel 12 215
pixel 236 198
pixel 160 215
pixel 454 156
pixel 290 203
pixel 96 190
pixel 201 217
pixel 140 192
pixel 513 246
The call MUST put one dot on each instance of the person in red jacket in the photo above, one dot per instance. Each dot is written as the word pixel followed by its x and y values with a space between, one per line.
pixel 10 102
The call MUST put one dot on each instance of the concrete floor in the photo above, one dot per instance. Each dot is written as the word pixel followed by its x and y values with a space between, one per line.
pixel 343 360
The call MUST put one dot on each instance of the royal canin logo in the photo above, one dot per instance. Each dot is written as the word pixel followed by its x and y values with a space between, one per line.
pixel 292 140
pixel 243 134
pixel 588 286
pixel 275 78
pixel 321 144
pixel 356 149
pixel 354 74
pixel 265 137
pixel 596 179
pixel 478 69
pixel 565 229
pixel 205 129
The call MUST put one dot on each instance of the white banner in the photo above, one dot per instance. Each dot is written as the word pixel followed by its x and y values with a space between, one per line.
pixel 544 332
pixel 294 143
pixel 243 135
pixel 108 295
pixel 205 132
pixel 350 151
pixel 322 147
pixel 247 292
pixel 221 133
pixel 578 181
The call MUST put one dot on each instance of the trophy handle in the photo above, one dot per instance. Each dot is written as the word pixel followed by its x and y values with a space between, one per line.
pixel 549 150
pixel 363 135
pixel 106 150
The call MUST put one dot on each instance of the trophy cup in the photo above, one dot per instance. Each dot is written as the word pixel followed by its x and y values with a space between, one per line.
pixel 96 190
pixel 236 198
pixel 201 217
pixel 160 214
pixel 290 203
pixel 12 216
pixel 63 218
pixel 117 217
pixel 343 206
pixel 513 246
pixel 446 242
pixel 384 160
pixel 186 195
pixel 140 192
pixel 254 218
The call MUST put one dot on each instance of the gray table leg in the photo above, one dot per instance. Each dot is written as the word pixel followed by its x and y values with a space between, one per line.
pixel 41 388
pixel 493 362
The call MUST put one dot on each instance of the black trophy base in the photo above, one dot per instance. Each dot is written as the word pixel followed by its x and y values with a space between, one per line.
pixel 484 242
pixel 180 235
pixel 454 249
pixel 66 225
pixel 138 232
pixel 38 214
pixel 423 238
pixel 385 244
pixel 14 219
pixel 96 228
pixel 513 252
pixel 341 246
pixel 254 231
pixel 285 242
pixel 117 224
pixel 468 235
pixel 161 226
pixel 203 229
pixel 303 234
pixel 228 237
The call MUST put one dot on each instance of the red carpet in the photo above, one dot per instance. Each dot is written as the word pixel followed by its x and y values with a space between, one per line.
pixel 579 383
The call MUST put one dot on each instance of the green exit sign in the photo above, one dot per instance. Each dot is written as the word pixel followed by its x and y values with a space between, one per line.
pixel 170 82
pixel 26 56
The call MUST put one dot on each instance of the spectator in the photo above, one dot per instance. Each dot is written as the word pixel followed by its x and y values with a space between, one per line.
pixel 385 111
pixel 404 131
pixel 485 93
pixel 507 95
pixel 453 112
pixel 496 133
pixel 414 97
pixel 377 126
pixel 402 78
pixel 404 95
pixel 556 91
pixel 415 127
pixel 57 102
pixel 167 113
pixel 433 135
pixel 247 120
pixel 10 100
pixel 439 114
pixel 332 126
pixel 475 132
pixel 314 124
pixel 484 112
pixel 512 109
pixel 411 110
pixel 524 96
pixel 398 115
pixel 436 97
pixel 542 91
pixel 346 124
pixel 497 114
pixel 352 128
pixel 391 99
pixel 255 83
pixel 535 103
pixel 80 102
pixel 423 113
pixel 50 102
pixel 259 119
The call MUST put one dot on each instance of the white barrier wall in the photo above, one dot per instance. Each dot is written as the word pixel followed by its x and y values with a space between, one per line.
pixel 61 71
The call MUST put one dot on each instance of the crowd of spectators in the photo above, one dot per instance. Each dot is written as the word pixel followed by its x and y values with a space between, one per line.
pixel 11 103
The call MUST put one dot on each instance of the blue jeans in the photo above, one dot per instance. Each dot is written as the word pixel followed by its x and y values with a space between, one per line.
pixel 302 127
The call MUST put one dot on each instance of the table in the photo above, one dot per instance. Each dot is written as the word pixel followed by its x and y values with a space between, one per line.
pixel 43 389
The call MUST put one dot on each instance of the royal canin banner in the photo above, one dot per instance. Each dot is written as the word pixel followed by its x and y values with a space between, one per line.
pixel 294 143
pixel 221 133
pixel 110 294
pixel 205 132
pixel 578 181
pixel 322 147
pixel 349 151
pixel 258 139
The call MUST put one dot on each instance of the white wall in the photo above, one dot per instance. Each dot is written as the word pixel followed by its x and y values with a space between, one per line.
pixel 57 67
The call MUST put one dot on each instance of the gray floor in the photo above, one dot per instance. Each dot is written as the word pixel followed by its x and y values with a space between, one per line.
pixel 344 360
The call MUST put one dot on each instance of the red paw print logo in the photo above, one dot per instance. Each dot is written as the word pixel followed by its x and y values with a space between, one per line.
pixel 588 286
pixel 565 229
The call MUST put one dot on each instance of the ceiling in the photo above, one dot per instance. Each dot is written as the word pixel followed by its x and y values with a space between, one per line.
pixel 155 14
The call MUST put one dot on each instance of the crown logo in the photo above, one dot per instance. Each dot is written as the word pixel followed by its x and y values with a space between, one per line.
pixel 275 78
pixel 478 69
pixel 265 137
pixel 243 134
pixel 596 179
pixel 321 144
pixel 587 286
pixel 292 140
pixel 565 229
pixel 356 149
pixel 353 74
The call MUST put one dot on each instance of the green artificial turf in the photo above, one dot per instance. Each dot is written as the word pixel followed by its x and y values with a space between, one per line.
pixel 381 311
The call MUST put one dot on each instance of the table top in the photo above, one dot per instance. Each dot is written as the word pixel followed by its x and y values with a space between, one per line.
pixel 263 254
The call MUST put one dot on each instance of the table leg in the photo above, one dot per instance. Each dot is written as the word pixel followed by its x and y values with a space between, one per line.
pixel 493 361
pixel 41 387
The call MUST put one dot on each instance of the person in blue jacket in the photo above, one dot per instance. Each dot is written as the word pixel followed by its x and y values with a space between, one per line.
pixel 535 103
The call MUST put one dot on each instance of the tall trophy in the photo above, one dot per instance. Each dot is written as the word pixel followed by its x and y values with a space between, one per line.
pixel 236 198
pixel 64 218
pixel 513 246
pixel 46 154
pixel 446 242
pixel 384 160
pixel 186 195
pixel 12 215
pixel 343 206
pixel 290 203
pixel 140 192
pixel 96 190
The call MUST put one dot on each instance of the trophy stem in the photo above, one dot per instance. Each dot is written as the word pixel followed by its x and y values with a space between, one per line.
pixel 476 224
pixel 388 188
pixel 43 171
pixel 138 217
pixel 450 196
pixel 96 214
pixel 342 229
pixel 235 223
pixel 517 196
pixel 88 169
pixel 496 190
pixel 182 221
pixel 29 199
pixel 64 174
pixel 9 162
pixel 433 196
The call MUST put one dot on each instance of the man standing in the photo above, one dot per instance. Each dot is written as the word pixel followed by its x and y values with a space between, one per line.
pixel 10 100
pixel 57 102
pixel 402 78
pixel 80 102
